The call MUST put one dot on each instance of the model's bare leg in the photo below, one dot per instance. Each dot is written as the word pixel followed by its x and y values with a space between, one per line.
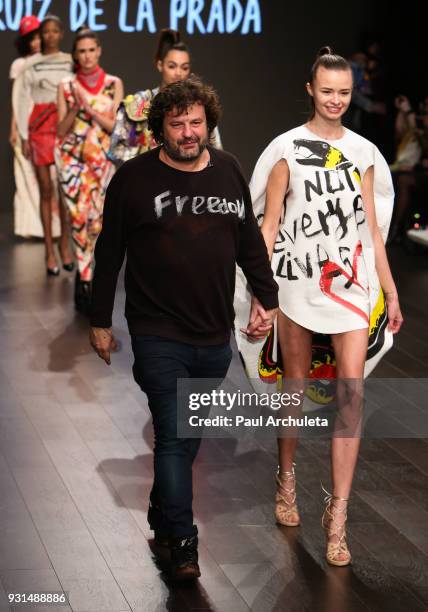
pixel 350 350
pixel 45 188
pixel 296 349
pixel 64 241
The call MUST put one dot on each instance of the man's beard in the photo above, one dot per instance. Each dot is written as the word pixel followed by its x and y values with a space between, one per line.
pixel 173 151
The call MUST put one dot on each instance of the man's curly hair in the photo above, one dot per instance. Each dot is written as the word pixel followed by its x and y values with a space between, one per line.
pixel 179 96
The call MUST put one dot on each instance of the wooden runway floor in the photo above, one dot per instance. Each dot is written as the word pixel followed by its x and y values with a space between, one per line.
pixel 76 467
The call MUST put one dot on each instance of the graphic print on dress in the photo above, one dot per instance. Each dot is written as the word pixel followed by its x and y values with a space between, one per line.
pixel 320 172
pixel 84 171
pixel 331 270
pixel 333 173
pixel 330 173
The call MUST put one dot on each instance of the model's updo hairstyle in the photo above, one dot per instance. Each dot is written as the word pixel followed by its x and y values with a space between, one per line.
pixel 169 40
pixel 81 33
pixel 330 61
pixel 55 19
pixel 50 17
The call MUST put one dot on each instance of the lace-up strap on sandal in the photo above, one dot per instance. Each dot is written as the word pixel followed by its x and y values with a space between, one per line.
pixel 337 551
pixel 286 512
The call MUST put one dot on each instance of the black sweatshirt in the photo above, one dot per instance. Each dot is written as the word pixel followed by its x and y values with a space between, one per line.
pixel 183 233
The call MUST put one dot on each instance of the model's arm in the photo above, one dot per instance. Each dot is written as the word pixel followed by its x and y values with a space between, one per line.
pixel 109 254
pixel 395 318
pixel 107 121
pixel 66 115
pixel 13 135
pixel 22 104
pixel 22 101
pixel 275 193
pixel 254 261
pixel 276 189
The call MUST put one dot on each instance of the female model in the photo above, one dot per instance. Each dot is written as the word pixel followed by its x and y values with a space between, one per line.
pixel 34 95
pixel 131 135
pixel 26 201
pixel 329 257
pixel 87 105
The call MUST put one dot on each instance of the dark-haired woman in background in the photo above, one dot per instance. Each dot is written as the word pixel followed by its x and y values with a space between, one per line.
pixel 131 135
pixel 87 105
pixel 26 201
pixel 34 101
pixel 329 261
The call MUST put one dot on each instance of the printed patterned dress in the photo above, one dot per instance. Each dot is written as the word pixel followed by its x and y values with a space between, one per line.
pixel 323 254
pixel 84 171
pixel 26 202
pixel 323 258
pixel 34 99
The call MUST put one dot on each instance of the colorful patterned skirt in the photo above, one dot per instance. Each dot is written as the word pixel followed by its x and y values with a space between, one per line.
pixel 42 133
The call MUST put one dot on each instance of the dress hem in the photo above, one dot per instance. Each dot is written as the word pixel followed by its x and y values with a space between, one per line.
pixel 324 331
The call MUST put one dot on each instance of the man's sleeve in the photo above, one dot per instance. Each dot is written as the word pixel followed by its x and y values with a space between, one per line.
pixel 109 254
pixel 253 257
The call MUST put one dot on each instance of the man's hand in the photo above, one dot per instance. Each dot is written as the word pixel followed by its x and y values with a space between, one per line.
pixel 260 322
pixel 103 342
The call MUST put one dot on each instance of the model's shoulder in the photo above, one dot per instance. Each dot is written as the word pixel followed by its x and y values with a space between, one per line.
pixel 67 80
pixel 112 78
pixel 136 105
pixel 64 57
pixel 16 67
pixel 140 95
pixel 359 140
pixel 56 58
pixel 32 60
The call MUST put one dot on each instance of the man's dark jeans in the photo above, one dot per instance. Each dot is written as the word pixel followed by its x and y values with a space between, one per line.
pixel 159 362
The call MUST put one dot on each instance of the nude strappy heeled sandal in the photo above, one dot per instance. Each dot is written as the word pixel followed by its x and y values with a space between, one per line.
pixel 286 512
pixel 337 552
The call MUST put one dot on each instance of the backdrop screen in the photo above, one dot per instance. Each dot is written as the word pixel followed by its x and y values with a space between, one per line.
pixel 257 54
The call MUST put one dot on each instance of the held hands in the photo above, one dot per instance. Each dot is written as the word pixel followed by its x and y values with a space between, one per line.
pixel 395 318
pixel 260 322
pixel 103 342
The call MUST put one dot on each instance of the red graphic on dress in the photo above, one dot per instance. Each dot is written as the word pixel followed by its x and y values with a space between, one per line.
pixel 331 270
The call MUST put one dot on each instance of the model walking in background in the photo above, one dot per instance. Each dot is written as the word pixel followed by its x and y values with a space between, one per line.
pixel 34 97
pixel 26 202
pixel 87 105
pixel 131 135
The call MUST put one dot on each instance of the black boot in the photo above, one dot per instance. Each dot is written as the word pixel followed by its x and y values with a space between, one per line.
pixel 82 295
pixel 184 559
